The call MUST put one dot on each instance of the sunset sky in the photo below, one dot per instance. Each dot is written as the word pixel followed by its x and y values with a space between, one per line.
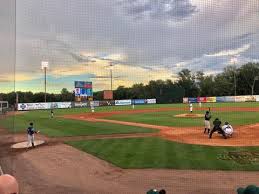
pixel 145 40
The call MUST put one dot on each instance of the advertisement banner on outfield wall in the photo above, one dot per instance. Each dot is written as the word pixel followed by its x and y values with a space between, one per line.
pixel 240 99
pixel 96 103
pixel 192 100
pixel 211 99
pixel 122 102
pixel 250 98
pixel 257 98
pixel 139 101
pixel 220 99
pixel 202 99
pixel 185 100
pixel 230 98
pixel 43 105
pixel 32 106
pixel 151 101
pixel 107 103
pixel 81 104
pixel 53 105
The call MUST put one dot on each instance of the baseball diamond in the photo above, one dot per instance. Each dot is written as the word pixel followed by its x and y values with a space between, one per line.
pixel 109 138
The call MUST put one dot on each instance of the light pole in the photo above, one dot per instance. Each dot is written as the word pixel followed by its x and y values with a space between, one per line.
pixel 234 61
pixel 111 67
pixel 44 66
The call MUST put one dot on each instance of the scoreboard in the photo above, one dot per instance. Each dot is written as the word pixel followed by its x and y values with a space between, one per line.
pixel 83 90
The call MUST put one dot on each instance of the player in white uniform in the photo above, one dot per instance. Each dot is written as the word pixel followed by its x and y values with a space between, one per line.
pixel 190 107
pixel 92 106
pixel 228 129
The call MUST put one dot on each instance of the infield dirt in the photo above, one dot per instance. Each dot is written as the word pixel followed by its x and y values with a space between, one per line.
pixel 246 135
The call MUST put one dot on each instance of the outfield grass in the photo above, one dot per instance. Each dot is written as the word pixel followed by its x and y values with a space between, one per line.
pixel 61 112
pixel 64 127
pixel 159 153
pixel 167 118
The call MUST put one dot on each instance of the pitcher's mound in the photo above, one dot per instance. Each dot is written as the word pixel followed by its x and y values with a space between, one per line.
pixel 23 145
pixel 189 115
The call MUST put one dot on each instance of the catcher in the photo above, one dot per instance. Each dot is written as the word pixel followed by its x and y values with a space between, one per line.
pixel 217 127
pixel 31 131
pixel 228 129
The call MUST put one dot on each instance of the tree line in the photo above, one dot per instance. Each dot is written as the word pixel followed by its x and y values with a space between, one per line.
pixel 232 81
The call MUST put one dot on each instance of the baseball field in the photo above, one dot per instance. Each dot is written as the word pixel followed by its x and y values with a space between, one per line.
pixel 120 143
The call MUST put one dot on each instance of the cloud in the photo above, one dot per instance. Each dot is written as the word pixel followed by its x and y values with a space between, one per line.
pixel 7 36
pixel 97 72
pixel 161 10
pixel 232 52
pixel 200 36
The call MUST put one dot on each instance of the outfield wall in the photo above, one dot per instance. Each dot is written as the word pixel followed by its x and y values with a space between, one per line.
pixel 249 98
pixel 60 105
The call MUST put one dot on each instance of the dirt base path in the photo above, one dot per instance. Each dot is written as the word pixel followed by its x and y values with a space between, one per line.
pixel 243 135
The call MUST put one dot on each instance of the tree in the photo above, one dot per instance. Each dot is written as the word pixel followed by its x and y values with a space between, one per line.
pixel 187 82
pixel 121 93
pixel 249 73
pixel 138 91
pixel 222 86
pixel 205 84
pixel 66 95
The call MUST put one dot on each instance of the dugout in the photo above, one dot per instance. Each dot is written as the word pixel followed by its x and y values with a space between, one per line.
pixel 3 107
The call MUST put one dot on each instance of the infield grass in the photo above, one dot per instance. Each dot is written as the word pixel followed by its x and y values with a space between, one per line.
pixel 159 153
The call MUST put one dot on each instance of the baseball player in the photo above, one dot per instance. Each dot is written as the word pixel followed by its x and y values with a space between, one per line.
pixel 52 113
pixel 31 131
pixel 92 106
pixel 190 107
pixel 217 127
pixel 228 129
pixel 207 118
pixel 133 105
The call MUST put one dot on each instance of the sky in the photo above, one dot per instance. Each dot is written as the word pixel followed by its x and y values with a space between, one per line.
pixel 143 39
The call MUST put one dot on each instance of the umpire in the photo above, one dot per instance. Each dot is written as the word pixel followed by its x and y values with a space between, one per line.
pixel 217 127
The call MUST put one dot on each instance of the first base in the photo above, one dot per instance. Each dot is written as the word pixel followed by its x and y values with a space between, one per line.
pixel 23 145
